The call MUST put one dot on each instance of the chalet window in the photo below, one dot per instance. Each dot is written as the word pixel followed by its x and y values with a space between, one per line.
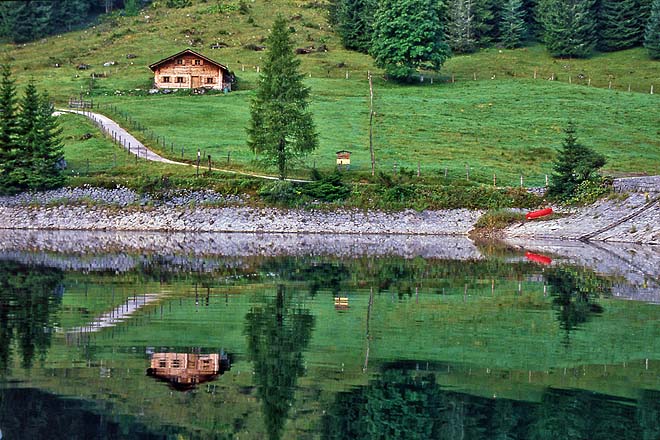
pixel 198 62
pixel 162 363
pixel 180 79
pixel 210 80
pixel 176 363
pixel 166 79
pixel 180 61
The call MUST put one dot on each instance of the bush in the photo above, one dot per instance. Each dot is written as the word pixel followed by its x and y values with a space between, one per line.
pixel 328 188
pixel 499 219
pixel 588 191
pixel 281 192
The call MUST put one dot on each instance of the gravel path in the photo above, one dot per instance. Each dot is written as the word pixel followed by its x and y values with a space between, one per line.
pixel 130 143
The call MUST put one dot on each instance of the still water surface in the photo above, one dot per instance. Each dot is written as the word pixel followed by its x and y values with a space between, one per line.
pixel 253 347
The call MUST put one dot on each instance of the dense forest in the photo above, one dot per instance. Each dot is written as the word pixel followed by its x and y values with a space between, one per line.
pixel 569 28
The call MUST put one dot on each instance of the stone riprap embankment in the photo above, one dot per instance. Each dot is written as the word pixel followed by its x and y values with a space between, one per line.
pixel 84 248
pixel 122 210
pixel 643 226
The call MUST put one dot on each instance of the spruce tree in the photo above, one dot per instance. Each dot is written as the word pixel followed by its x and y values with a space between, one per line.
pixel 48 158
pixel 620 25
pixel 512 27
pixel 652 34
pixel 28 137
pixel 574 164
pixel 569 27
pixel 407 36
pixel 8 128
pixel 281 126
pixel 486 15
pixel 460 26
pixel 355 23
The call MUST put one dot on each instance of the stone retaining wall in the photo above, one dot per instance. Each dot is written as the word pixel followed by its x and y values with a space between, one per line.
pixel 649 184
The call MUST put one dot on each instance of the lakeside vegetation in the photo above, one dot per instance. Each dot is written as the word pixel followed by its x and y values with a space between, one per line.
pixel 501 126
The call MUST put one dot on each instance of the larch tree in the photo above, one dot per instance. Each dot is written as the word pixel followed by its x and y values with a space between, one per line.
pixel 281 126
pixel 408 36
pixel 652 33
pixel 512 27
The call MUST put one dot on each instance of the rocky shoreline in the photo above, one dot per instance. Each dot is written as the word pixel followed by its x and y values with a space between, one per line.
pixel 94 209
pixel 120 209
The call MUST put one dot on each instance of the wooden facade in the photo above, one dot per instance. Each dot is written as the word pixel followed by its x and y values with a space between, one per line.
pixel 191 70
pixel 185 370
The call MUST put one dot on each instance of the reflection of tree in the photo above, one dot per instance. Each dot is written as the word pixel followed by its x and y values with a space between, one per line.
pixel 648 415
pixel 277 332
pixel 28 298
pixel 33 414
pixel 402 404
pixel 317 274
pixel 573 295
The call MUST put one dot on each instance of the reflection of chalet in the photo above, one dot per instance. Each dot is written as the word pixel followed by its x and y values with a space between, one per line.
pixel 185 370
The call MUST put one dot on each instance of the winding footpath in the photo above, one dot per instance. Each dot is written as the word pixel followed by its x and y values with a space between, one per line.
pixel 134 146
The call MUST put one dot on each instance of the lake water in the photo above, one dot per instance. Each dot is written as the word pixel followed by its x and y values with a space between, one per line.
pixel 490 342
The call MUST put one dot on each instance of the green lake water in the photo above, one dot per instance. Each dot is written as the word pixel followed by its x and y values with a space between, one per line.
pixel 322 347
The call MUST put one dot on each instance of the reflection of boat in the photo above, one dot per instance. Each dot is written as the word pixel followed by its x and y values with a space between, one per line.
pixel 185 370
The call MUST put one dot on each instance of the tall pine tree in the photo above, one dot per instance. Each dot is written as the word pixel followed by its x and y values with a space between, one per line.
pixel 486 15
pixel 408 35
pixel 460 26
pixel 620 24
pixel 569 27
pixel 652 33
pixel 512 27
pixel 355 23
pixel 281 125
pixel 48 159
pixel 8 127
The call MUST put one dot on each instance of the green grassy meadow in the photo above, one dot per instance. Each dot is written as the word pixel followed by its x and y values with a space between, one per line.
pixel 504 123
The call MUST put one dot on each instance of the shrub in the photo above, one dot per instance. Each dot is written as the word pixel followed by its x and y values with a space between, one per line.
pixel 281 192
pixel 499 219
pixel 328 188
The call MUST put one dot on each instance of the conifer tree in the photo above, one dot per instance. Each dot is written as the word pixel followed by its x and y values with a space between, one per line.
pixel 408 35
pixel 28 137
pixel 281 126
pixel 48 159
pixel 574 164
pixel 486 15
pixel 652 33
pixel 512 27
pixel 355 23
pixel 569 27
pixel 8 127
pixel 620 24
pixel 460 26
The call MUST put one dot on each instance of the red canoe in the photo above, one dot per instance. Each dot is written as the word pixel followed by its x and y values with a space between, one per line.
pixel 538 258
pixel 539 213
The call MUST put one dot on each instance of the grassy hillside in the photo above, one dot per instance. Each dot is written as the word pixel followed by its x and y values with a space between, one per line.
pixel 505 122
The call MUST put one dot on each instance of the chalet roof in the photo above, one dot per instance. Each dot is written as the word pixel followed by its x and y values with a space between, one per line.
pixel 184 52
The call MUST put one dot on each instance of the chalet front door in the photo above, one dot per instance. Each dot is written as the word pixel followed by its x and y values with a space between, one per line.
pixel 195 82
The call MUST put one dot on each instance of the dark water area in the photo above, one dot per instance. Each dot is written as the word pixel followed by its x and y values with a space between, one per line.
pixel 499 344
